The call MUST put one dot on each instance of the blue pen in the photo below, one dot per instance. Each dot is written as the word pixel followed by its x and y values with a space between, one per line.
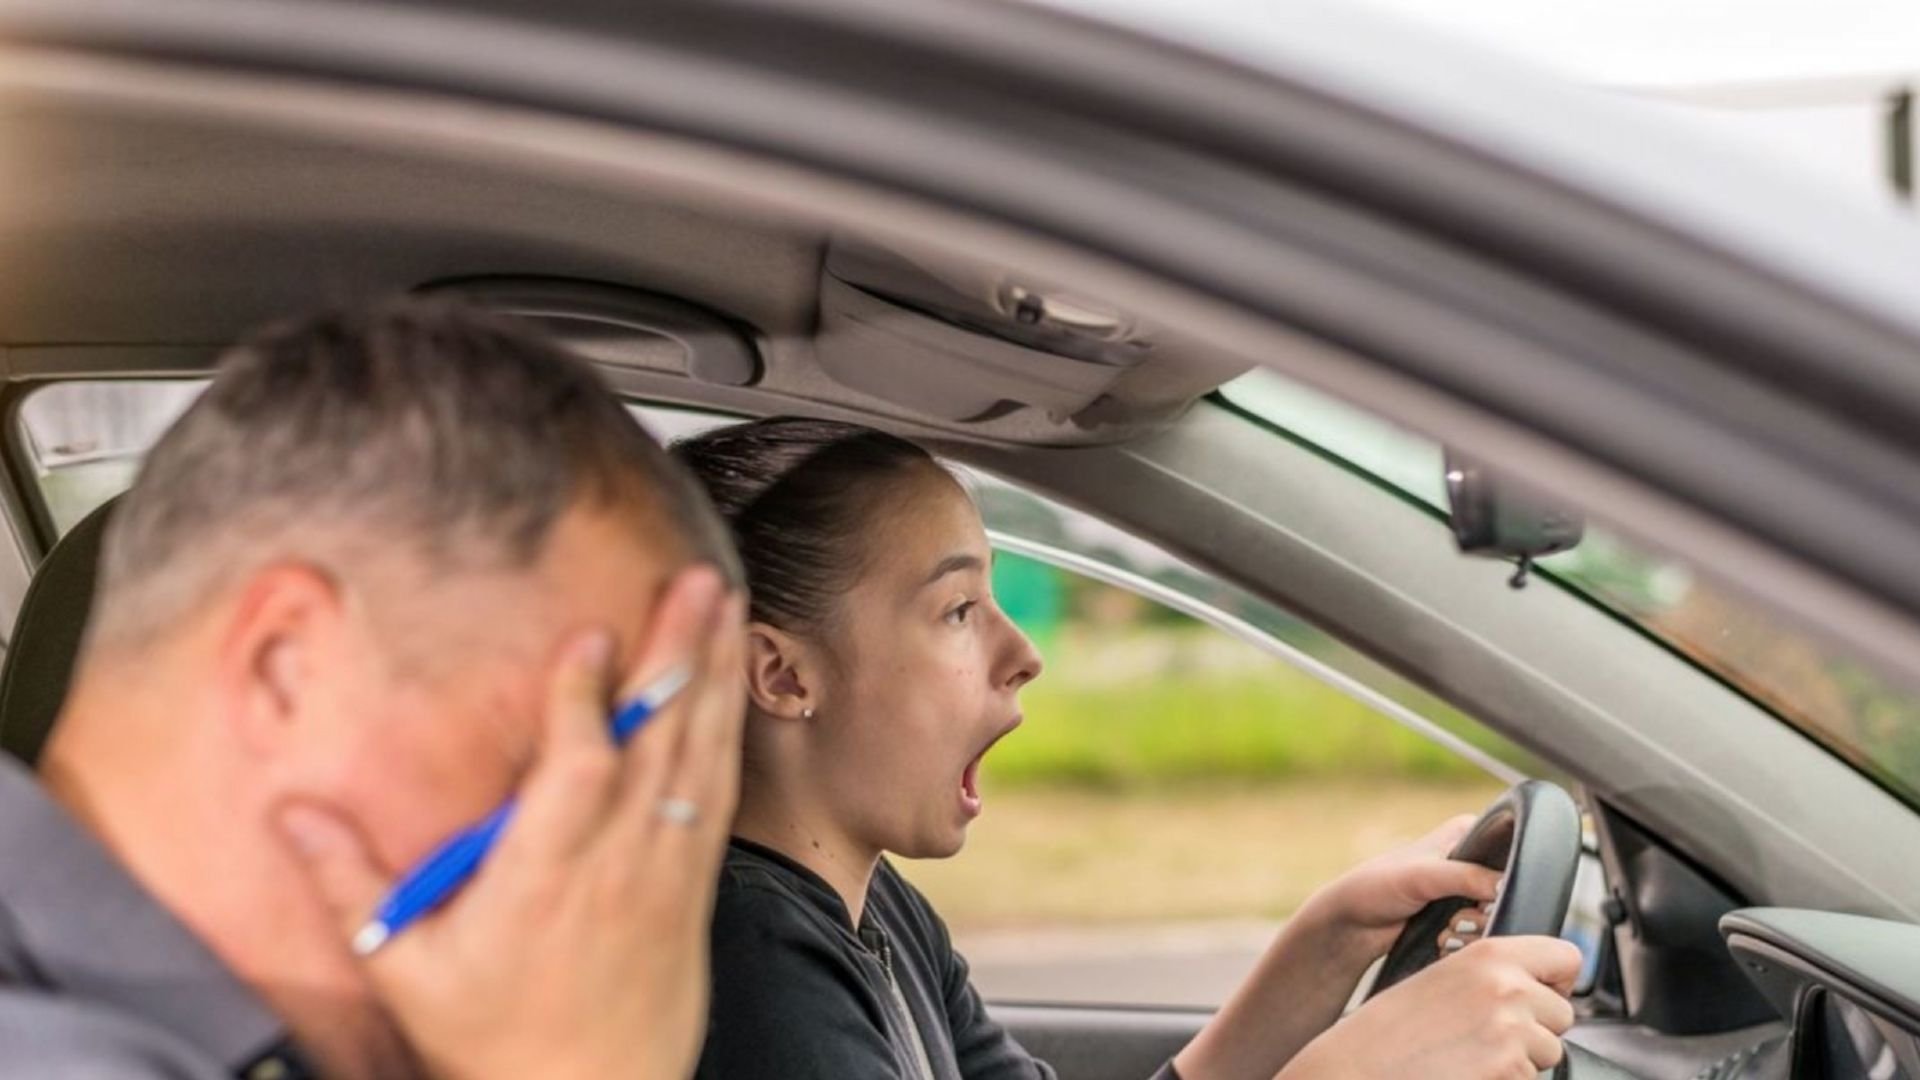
pixel 440 875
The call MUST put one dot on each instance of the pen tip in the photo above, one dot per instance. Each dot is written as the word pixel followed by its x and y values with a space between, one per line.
pixel 370 938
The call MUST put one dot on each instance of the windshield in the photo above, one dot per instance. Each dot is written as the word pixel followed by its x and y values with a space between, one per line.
pixel 1840 702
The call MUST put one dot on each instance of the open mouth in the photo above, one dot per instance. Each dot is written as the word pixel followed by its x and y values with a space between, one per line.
pixel 970 799
pixel 970 779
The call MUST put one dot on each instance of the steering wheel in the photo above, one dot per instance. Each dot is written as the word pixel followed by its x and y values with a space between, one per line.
pixel 1532 832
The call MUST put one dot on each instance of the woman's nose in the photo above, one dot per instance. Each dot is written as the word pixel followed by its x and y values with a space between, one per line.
pixel 1024 664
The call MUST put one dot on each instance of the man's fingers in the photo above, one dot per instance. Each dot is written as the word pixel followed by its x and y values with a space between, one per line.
pixel 675 766
pixel 707 769
pixel 677 637
pixel 673 635
pixel 337 862
pixel 572 779
pixel 576 700
pixel 711 755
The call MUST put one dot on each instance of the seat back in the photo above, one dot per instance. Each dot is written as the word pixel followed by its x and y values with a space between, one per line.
pixel 46 637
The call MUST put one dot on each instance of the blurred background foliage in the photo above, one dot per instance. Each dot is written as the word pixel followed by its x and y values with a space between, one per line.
pixel 1136 695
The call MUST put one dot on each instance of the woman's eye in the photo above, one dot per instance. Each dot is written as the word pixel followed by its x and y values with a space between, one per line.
pixel 959 615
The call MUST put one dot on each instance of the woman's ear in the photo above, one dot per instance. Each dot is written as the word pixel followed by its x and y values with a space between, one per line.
pixel 779 678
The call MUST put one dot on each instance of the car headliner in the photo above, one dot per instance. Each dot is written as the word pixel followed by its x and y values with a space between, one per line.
pixel 1713 382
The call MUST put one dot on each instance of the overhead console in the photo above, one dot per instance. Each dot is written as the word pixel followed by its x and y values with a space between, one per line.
pixel 965 343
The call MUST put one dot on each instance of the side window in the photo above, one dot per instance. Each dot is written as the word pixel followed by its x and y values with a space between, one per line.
pixel 84 440
pixel 81 443
pixel 1194 763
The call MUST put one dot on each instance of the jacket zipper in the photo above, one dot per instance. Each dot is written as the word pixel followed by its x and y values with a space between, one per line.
pixel 906 1012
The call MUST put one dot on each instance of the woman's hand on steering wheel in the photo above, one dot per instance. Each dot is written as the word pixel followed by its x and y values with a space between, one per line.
pixel 1372 902
pixel 1495 1010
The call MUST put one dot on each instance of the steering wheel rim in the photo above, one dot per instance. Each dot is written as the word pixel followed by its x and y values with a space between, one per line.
pixel 1532 833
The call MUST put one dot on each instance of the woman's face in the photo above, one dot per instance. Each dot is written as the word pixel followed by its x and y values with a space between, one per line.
pixel 924 675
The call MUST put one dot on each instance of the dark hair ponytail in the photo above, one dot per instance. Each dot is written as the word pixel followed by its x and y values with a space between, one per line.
pixel 798 495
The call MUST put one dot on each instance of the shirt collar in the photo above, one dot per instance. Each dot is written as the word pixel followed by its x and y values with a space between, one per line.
pixel 77 923
pixel 811 884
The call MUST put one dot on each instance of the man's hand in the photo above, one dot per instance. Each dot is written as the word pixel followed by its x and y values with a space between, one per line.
pixel 1492 1011
pixel 580 948
pixel 1368 905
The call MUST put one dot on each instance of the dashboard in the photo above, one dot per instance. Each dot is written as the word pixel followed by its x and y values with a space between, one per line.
pixel 1849 986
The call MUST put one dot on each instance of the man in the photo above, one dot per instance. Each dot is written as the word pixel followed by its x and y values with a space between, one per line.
pixel 390 570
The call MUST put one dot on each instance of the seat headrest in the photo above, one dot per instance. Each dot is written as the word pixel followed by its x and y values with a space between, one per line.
pixel 46 636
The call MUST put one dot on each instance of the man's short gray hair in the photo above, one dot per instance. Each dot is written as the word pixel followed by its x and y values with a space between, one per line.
pixel 415 424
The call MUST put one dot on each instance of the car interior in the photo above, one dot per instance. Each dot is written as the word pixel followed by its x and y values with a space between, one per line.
pixel 1759 926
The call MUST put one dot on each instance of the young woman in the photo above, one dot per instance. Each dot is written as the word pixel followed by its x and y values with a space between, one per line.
pixel 880 673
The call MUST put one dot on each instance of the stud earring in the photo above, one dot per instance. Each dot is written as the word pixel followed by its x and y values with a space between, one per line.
pixel 806 713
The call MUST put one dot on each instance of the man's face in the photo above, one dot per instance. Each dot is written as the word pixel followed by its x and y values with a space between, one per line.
pixel 416 746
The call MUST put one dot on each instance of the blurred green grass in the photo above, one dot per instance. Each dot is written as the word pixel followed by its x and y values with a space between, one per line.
pixel 1136 696
pixel 1179 728
pixel 1209 728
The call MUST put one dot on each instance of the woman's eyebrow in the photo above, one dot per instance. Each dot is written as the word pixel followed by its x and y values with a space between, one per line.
pixel 953 564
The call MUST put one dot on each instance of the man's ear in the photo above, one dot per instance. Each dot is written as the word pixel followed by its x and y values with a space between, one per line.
pixel 780 679
pixel 282 633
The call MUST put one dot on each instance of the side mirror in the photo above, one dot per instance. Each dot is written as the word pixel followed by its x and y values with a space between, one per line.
pixel 1491 519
